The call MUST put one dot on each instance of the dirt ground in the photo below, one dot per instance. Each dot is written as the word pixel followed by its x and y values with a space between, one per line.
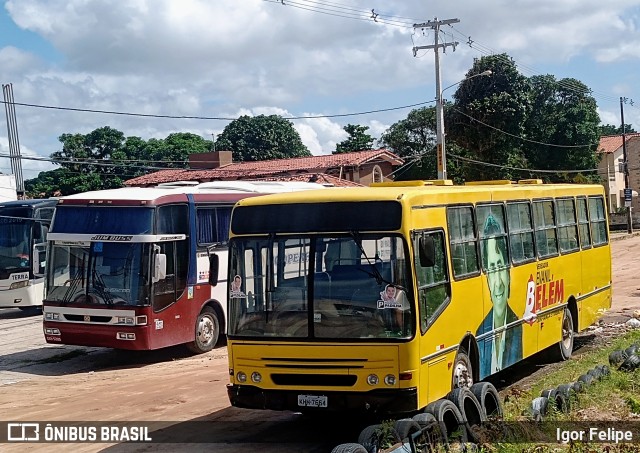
pixel 173 387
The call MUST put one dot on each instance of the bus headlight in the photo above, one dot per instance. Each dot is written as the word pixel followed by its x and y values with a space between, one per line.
pixel 372 379
pixel 256 377
pixel 22 284
pixel 390 380
pixel 52 316
pixel 125 320
pixel 241 376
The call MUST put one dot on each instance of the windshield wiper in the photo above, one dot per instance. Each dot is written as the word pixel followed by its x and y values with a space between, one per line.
pixel 376 272
pixel 73 285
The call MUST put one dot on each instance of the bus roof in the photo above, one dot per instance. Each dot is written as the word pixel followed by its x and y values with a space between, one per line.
pixel 239 188
pixel 435 192
pixel 33 203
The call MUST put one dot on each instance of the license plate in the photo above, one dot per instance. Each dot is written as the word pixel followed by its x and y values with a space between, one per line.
pixel 312 401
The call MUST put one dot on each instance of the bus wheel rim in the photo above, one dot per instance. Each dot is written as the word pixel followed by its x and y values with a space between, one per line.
pixel 566 333
pixel 462 376
pixel 205 330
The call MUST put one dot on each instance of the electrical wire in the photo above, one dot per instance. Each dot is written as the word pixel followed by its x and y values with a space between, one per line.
pixel 148 115
pixel 530 170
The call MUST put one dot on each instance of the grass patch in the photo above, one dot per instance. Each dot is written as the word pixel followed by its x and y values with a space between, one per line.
pixel 613 398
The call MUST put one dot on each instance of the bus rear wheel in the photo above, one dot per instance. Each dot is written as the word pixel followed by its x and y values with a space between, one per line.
pixel 462 371
pixel 207 331
pixel 564 348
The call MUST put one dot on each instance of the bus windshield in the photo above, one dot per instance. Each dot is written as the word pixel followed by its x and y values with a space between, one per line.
pixel 102 273
pixel 15 235
pixel 353 286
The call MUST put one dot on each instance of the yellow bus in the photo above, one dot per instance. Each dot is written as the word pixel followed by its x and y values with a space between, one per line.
pixel 386 298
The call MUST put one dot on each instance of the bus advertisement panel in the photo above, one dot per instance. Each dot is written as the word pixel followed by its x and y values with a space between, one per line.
pixel 386 298
pixel 129 268
pixel 23 230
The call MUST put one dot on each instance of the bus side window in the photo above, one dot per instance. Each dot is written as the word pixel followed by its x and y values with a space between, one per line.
pixel 462 240
pixel 583 223
pixel 520 231
pixel 598 220
pixel 433 282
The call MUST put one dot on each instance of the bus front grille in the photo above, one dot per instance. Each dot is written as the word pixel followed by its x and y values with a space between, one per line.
pixel 83 318
pixel 319 380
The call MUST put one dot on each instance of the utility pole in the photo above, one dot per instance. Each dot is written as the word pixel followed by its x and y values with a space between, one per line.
pixel 435 25
pixel 628 192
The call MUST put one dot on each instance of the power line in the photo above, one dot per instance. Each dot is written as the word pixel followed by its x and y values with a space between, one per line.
pixel 149 115
pixel 530 170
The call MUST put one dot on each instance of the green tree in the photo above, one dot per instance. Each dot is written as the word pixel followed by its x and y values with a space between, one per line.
pixel 91 159
pixel 253 138
pixel 488 117
pixel 610 129
pixel 104 159
pixel 414 139
pixel 562 128
pixel 176 148
pixel 357 140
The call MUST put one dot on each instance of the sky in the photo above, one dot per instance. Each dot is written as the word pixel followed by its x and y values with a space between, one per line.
pixel 338 61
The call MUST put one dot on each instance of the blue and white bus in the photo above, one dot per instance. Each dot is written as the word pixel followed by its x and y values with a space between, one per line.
pixel 23 238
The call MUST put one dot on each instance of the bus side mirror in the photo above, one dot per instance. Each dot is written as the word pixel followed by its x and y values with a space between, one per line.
pixel 214 267
pixel 39 258
pixel 427 251
pixel 159 267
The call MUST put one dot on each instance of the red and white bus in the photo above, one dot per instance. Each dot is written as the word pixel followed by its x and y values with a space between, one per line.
pixel 129 268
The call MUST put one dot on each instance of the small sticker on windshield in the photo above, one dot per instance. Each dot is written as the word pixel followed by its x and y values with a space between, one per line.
pixel 97 246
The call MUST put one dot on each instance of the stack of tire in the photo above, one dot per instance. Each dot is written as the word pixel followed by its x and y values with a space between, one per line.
pixel 626 359
pixel 455 418
pixel 563 397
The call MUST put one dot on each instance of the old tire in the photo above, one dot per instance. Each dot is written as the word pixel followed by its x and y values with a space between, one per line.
pixel 631 363
pixel 596 373
pixel 431 433
pixel 549 393
pixel 469 407
pixel 617 357
pixel 539 408
pixel 424 419
pixel 586 379
pixel 578 386
pixel 462 371
pixel 604 370
pixel 449 418
pixel 489 399
pixel 405 427
pixel 206 332
pixel 370 438
pixel 349 448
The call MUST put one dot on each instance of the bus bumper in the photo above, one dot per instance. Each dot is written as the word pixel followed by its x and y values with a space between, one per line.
pixel 390 401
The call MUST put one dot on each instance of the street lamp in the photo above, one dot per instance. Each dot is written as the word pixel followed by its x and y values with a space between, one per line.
pixel 441 155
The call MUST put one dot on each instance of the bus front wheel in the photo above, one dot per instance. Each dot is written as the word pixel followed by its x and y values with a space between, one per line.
pixel 462 371
pixel 207 331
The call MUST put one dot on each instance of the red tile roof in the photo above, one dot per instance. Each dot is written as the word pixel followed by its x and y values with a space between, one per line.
pixel 320 178
pixel 268 168
pixel 610 143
